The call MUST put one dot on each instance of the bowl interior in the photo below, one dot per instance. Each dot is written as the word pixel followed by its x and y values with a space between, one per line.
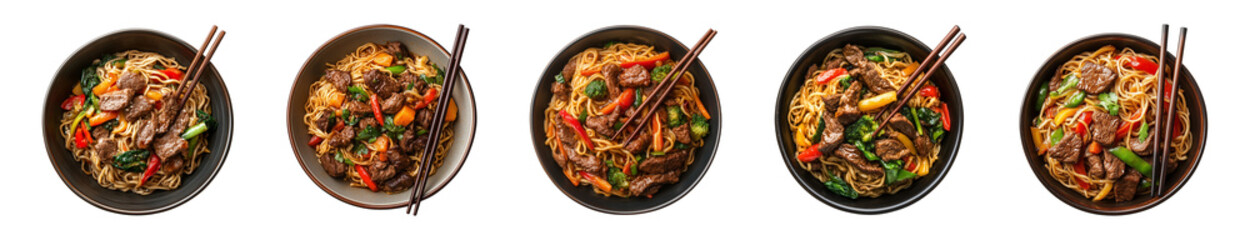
pixel 1193 99
pixel 336 49
pixel 616 205
pixel 870 37
pixel 124 202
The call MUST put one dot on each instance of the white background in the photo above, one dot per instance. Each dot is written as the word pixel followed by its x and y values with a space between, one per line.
pixel 502 191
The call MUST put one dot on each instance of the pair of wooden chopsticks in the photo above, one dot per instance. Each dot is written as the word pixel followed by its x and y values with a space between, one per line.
pixel 922 77
pixel 654 99
pixel 1162 138
pixel 440 111
pixel 193 71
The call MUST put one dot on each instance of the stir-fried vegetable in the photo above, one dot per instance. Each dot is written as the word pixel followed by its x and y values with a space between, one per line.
pixel 1131 159
pixel 867 150
pixel 660 72
pixel 617 178
pixel 1142 132
pixel 596 181
pixel 657 140
pixel 930 91
pixel 1056 136
pixel 1110 102
pixel 73 101
pixel 1041 97
pixel 810 154
pixel 392 130
pixel 364 176
pixel 206 121
pixel 675 116
pixel 131 161
pixel 101 117
pixel 894 172
pixel 1080 169
pixel 840 187
pixel 832 74
pixel 405 116
pixel 1075 100
pixel 698 126
pixel 1142 64
pixel 1068 82
pixel 648 63
pixel 383 59
pixel 597 89
pixel 862 129
pixel 397 69
pixel 1063 115
pixel 154 163
pixel 577 126
pixel 820 129
pixel 877 101
pixel 875 58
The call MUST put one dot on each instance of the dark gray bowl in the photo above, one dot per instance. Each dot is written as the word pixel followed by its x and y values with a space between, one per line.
pixel 616 205
pixel 880 37
pixel 1176 180
pixel 82 183
pixel 338 47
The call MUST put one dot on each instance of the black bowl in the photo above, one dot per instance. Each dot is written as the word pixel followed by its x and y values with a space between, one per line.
pixel 124 202
pixel 879 37
pixel 586 196
pixel 1197 116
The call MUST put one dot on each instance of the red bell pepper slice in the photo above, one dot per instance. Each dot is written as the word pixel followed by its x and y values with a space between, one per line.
pixel 314 141
pixel 930 91
pixel 946 117
pixel 430 96
pixel 810 154
pixel 648 63
pixel 172 73
pixel 1080 169
pixel 830 75
pixel 71 102
pixel 377 110
pixel 154 163
pixel 364 176
pixel 577 126
pixel 1143 64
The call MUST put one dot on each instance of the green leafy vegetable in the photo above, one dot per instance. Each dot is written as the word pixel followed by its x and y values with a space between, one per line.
pixel 867 149
pixel 894 172
pixel 840 187
pixel 358 93
pixel 368 134
pixel 875 58
pixel 393 131
pixel 1111 102
pixel 1143 132
pixel 131 161
pixel 680 146
pixel 658 73
pixel 597 89
pixel 820 128
pixel 560 78
pixel 397 69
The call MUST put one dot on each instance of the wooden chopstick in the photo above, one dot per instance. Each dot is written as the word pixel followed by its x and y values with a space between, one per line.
pixel 1161 169
pixel 664 84
pixel 927 60
pixel 194 71
pixel 440 112
pixel 958 40
pixel 1155 142
pixel 676 75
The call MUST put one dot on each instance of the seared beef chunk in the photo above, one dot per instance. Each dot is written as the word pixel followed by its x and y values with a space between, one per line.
pixel 873 79
pixel 380 171
pixel 1094 163
pixel 636 76
pixel 1126 187
pixel 855 56
pixel 105 148
pixel 570 69
pixel 890 149
pixel 147 132
pixel 340 79
pixel 900 124
pixel 172 165
pixel 833 135
pixel 165 116
pixel 1103 128
pixel 640 143
pixel 1068 149
pixel 848 108
pixel 603 124
pixel 832 64
pixel 367 122
pixel 381 83
pixel 413 79
pixel 99 133
pixel 1113 166
pixel 682 133
pixel 650 183
pixel 811 71
pixel 673 161
pixel 342 137
pixel 587 162
pixel 853 155
pixel 424 116
pixel 323 121
pixel 333 167
pixel 357 107
pixel 394 49
pixel 1143 147
pixel 392 104
pixel 1056 82
pixel 139 106
pixel 133 81
pixel 397 158
pixel 182 122
pixel 560 90
pixel 169 145
pixel 115 100
pixel 399 183
pixel 611 73
pixel 923 145
pixel 1095 78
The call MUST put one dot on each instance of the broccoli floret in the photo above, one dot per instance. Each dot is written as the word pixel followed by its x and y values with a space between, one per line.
pixel 698 126
pixel 596 90
pixel 862 129
pixel 658 73
pixel 675 117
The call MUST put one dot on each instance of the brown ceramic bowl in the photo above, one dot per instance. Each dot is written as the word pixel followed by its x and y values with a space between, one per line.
pixel 338 47
pixel 124 202
pixel 1176 180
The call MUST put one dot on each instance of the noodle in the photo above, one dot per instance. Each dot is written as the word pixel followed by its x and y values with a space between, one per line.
pixel 125 133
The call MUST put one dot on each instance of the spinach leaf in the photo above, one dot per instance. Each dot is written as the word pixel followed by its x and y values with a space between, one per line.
pixel 131 161
pixel 840 187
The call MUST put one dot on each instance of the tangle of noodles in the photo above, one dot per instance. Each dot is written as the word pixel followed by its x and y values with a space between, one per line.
pixel 808 106
pixel 1135 90
pixel 124 131
pixel 609 153
pixel 322 95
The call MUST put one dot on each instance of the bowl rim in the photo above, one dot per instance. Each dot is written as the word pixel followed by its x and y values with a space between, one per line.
pixel 225 150
pixel 1038 171
pixel 781 127
pixel 539 147
pixel 300 158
